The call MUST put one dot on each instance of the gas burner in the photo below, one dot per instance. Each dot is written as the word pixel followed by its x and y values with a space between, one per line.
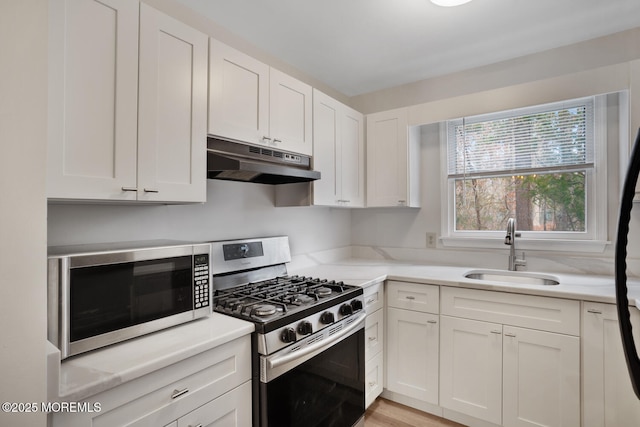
pixel 264 310
pixel 322 291
pixel 301 299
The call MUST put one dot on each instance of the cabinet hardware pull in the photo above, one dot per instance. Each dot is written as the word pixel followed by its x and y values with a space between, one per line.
pixel 594 311
pixel 346 201
pixel 372 338
pixel 410 297
pixel 129 189
pixel 510 335
pixel 199 425
pixel 276 141
pixel 433 322
pixel 496 332
pixel 266 138
pixel 402 202
pixel 151 190
pixel 177 393
pixel 371 300
pixel 372 384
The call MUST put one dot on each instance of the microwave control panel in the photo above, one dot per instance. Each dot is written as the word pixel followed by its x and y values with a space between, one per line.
pixel 201 281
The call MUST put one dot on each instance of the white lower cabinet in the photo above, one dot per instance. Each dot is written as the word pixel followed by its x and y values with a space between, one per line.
pixel 541 383
pixel 609 400
pixel 232 409
pixel 412 340
pixel 471 368
pixel 212 388
pixel 509 375
pixel 412 368
pixel 374 342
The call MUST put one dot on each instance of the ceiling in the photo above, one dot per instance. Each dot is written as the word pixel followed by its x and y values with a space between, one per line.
pixel 360 46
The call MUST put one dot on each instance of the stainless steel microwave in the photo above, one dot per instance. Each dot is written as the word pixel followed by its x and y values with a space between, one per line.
pixel 100 295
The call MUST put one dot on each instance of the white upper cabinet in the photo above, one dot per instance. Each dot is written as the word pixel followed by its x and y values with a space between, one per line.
pixel 290 113
pixel 338 153
pixel 392 160
pixel 238 95
pixel 251 102
pixel 125 123
pixel 172 120
pixel 93 99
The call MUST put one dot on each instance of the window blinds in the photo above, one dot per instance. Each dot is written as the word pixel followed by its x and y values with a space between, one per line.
pixel 544 139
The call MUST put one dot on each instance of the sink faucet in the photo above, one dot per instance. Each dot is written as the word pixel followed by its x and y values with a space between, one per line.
pixel 510 239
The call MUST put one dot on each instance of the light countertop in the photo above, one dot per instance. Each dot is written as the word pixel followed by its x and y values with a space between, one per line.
pixel 87 374
pixel 364 273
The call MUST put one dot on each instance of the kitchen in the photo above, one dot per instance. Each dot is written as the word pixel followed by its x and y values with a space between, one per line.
pixel 397 234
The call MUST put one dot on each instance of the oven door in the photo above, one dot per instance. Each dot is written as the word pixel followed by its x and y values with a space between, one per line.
pixel 321 384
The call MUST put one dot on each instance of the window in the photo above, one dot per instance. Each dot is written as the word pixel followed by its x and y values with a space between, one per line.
pixel 543 166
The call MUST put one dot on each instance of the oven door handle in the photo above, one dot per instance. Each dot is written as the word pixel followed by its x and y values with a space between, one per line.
pixel 319 346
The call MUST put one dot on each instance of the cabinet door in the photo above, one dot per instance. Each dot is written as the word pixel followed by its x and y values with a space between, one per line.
pixel 374 334
pixel 326 112
pixel 609 400
pixel 172 116
pixel 338 153
pixel 387 159
pixel 238 95
pixel 351 155
pixel 471 368
pixel 541 379
pixel 290 113
pixel 373 378
pixel 232 409
pixel 412 354
pixel 93 87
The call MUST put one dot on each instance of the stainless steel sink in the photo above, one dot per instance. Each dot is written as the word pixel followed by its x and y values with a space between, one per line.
pixel 512 277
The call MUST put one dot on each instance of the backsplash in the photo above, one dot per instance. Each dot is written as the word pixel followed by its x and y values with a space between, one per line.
pixel 233 210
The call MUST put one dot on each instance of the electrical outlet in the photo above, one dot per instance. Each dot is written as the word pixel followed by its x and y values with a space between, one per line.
pixel 431 240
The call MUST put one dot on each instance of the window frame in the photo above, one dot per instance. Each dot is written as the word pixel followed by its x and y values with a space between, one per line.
pixel 594 239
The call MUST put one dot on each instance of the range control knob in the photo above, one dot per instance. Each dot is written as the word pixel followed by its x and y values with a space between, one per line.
pixel 305 328
pixel 346 309
pixel 288 335
pixel 327 318
pixel 356 304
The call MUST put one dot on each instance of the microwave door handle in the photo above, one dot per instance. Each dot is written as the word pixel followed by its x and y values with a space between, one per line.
pixel 318 346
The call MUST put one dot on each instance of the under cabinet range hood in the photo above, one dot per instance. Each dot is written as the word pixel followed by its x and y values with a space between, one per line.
pixel 234 161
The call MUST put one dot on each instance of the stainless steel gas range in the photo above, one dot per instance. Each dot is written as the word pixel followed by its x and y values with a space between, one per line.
pixel 309 341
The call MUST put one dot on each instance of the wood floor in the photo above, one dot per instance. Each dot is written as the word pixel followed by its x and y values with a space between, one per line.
pixel 385 413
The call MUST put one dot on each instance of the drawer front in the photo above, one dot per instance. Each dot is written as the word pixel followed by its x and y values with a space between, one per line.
pixel 232 409
pixel 211 374
pixel 373 378
pixel 413 296
pixel 374 297
pixel 373 334
pixel 535 312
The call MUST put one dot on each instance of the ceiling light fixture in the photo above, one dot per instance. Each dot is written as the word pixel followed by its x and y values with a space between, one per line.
pixel 449 3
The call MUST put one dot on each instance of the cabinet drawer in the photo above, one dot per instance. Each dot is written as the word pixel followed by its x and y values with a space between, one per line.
pixel 373 378
pixel 373 334
pixel 232 409
pixel 374 297
pixel 543 313
pixel 413 296
pixel 163 396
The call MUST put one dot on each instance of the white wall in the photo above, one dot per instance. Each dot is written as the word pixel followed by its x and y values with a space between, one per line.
pixel 23 99
pixel 400 233
pixel 233 210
